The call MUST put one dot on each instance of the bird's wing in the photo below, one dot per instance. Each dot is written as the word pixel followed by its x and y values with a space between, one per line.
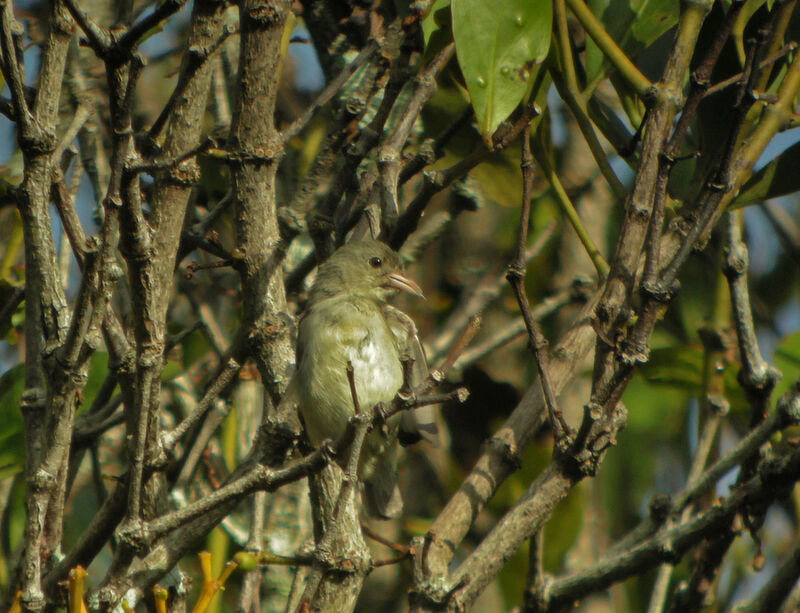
pixel 418 423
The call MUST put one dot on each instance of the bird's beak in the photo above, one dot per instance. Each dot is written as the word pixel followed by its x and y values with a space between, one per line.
pixel 402 283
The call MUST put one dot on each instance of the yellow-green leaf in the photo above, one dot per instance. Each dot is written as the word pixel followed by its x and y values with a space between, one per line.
pixel 498 44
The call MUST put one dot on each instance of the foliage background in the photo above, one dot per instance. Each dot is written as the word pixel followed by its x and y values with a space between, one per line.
pixel 465 241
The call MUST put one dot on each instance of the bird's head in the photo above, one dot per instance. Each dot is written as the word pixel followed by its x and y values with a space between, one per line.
pixel 366 268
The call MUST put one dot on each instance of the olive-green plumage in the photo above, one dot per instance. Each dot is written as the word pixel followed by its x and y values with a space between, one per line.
pixel 348 319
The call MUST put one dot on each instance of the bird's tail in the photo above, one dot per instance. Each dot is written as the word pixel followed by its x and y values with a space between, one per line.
pixel 382 498
pixel 418 424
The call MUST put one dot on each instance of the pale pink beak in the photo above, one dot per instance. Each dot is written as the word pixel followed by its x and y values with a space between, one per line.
pixel 405 284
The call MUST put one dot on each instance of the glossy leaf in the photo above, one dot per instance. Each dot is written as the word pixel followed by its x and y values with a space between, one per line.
pixel 778 178
pixel 498 45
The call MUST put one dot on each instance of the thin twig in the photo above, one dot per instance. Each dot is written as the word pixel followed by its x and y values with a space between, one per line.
pixel 99 38
pixel 435 180
pixel 401 549
pixel 330 91
pixel 535 583
pixel 672 542
pixel 11 305
pixel 608 46
pixel 775 590
pixel 566 206
pixel 460 344
pixel 226 373
pixel 713 406
pixel 390 561
pixel 575 99
pixel 516 277
pixel 481 295
pixel 65 205
pixel 196 57
pixel 516 328
pixel 782 417
pixel 12 71
pixel 733 80
pixel 757 376
pixel 389 156
pixel 131 37
pixel 429 154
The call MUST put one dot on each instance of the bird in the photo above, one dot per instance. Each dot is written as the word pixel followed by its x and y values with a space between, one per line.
pixel 348 320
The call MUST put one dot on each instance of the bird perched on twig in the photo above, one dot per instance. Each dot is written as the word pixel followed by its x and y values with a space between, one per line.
pixel 348 319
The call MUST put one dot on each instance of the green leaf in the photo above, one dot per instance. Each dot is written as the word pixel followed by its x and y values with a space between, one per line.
pixel 787 360
pixel 14 513
pixel 12 450
pixel 634 24
pixel 498 44
pixel 98 371
pixel 778 178
pixel 653 18
pixel 433 21
pixel 678 367
pixel 172 369
pixel 437 30
pixel 195 347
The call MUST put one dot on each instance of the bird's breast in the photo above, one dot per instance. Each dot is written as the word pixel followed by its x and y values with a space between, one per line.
pixel 330 338
pixel 376 368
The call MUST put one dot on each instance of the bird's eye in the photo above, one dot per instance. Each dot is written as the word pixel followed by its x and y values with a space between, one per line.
pixel 375 262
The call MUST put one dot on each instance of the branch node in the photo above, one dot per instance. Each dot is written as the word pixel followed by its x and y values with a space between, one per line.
pixel 759 380
pixel 515 272
pixel 658 292
pixel 736 260
pixel 668 553
pixel 328 450
pixel 33 399
pixel 436 375
pixel 718 404
pixel 660 508
pixel 134 535
pixel 632 355
pixel 508 452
